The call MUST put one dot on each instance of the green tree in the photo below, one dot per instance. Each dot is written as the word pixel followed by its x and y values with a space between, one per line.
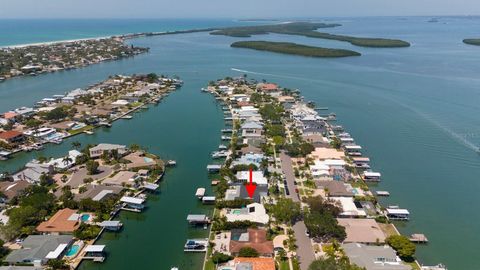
pixel 92 167
pixel 57 264
pixel 248 252
pixel 333 264
pixel 286 210
pixel 405 249
pixel 219 257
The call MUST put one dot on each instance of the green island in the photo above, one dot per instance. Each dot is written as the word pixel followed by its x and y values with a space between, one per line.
pixel 472 41
pixel 308 29
pixel 294 48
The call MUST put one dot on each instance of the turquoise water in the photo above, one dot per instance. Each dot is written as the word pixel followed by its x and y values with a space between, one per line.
pixel 85 217
pixel 414 110
pixel 72 250
pixel 15 32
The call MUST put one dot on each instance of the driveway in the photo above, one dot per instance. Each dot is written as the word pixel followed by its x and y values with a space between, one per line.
pixel 78 176
pixel 305 249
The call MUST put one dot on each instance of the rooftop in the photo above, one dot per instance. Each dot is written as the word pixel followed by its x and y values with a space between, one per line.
pixel 362 230
pixel 60 222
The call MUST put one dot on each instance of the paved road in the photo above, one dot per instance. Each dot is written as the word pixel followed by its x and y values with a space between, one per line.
pixel 304 250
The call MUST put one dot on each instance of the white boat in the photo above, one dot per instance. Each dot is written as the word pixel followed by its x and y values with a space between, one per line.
pixel 127 117
pixel 174 268
pixel 171 163
pixel 89 132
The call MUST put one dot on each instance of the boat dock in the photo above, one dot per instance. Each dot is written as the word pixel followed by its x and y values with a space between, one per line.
pixel 194 219
pixel 382 193
pixel 418 238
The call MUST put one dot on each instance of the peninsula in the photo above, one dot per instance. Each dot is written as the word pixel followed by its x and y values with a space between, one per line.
pixel 54 118
pixel 59 207
pixel 293 48
pixel 308 29
pixel 57 56
pixel 472 41
pixel 311 206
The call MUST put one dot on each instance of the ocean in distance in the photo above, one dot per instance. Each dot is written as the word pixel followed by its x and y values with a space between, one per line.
pixel 414 110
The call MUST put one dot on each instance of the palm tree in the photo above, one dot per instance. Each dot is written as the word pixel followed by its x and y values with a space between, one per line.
pixel 67 160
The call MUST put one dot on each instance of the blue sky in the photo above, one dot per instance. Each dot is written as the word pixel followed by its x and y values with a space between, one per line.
pixel 231 9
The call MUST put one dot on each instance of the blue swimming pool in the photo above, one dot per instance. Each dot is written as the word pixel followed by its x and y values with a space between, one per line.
pixel 72 250
pixel 147 159
pixel 85 217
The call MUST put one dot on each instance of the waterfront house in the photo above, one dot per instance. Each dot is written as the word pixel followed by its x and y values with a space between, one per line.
pixel 251 129
pixel 64 221
pixel 12 189
pixel 335 188
pixel 248 159
pixel 97 151
pixel 33 172
pixel 267 87
pixel 25 111
pixel 238 191
pixel 323 153
pixel 38 249
pixel 253 212
pixel 12 137
pixel 252 238
pixel 122 178
pixel 374 257
pixel 312 127
pixel 362 230
pixel 241 263
pixel 138 159
pixel 348 206
pixel 257 177
pixel 98 192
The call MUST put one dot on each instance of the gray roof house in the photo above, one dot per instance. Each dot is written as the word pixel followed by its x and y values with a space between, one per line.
pixel 374 257
pixel 38 249
pixel 98 150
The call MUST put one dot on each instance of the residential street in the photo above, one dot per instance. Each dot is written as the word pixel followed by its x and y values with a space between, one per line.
pixel 305 250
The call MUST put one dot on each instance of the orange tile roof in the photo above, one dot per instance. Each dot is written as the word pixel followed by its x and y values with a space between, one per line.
pixel 258 263
pixel 60 222
pixel 9 115
pixel 7 135
pixel 269 87
pixel 257 239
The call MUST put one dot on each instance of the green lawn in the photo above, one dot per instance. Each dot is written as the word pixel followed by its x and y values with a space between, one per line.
pixel 284 265
pixel 80 130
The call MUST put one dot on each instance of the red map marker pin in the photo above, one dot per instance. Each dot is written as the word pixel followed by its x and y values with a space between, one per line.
pixel 251 186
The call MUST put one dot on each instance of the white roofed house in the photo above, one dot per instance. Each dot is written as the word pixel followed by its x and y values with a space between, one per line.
pixel 249 158
pixel 349 209
pixel 254 212
pixel 257 177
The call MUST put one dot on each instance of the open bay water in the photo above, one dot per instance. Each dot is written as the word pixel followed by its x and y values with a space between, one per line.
pixel 414 110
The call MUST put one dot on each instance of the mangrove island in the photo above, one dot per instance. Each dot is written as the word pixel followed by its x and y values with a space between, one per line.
pixel 293 48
